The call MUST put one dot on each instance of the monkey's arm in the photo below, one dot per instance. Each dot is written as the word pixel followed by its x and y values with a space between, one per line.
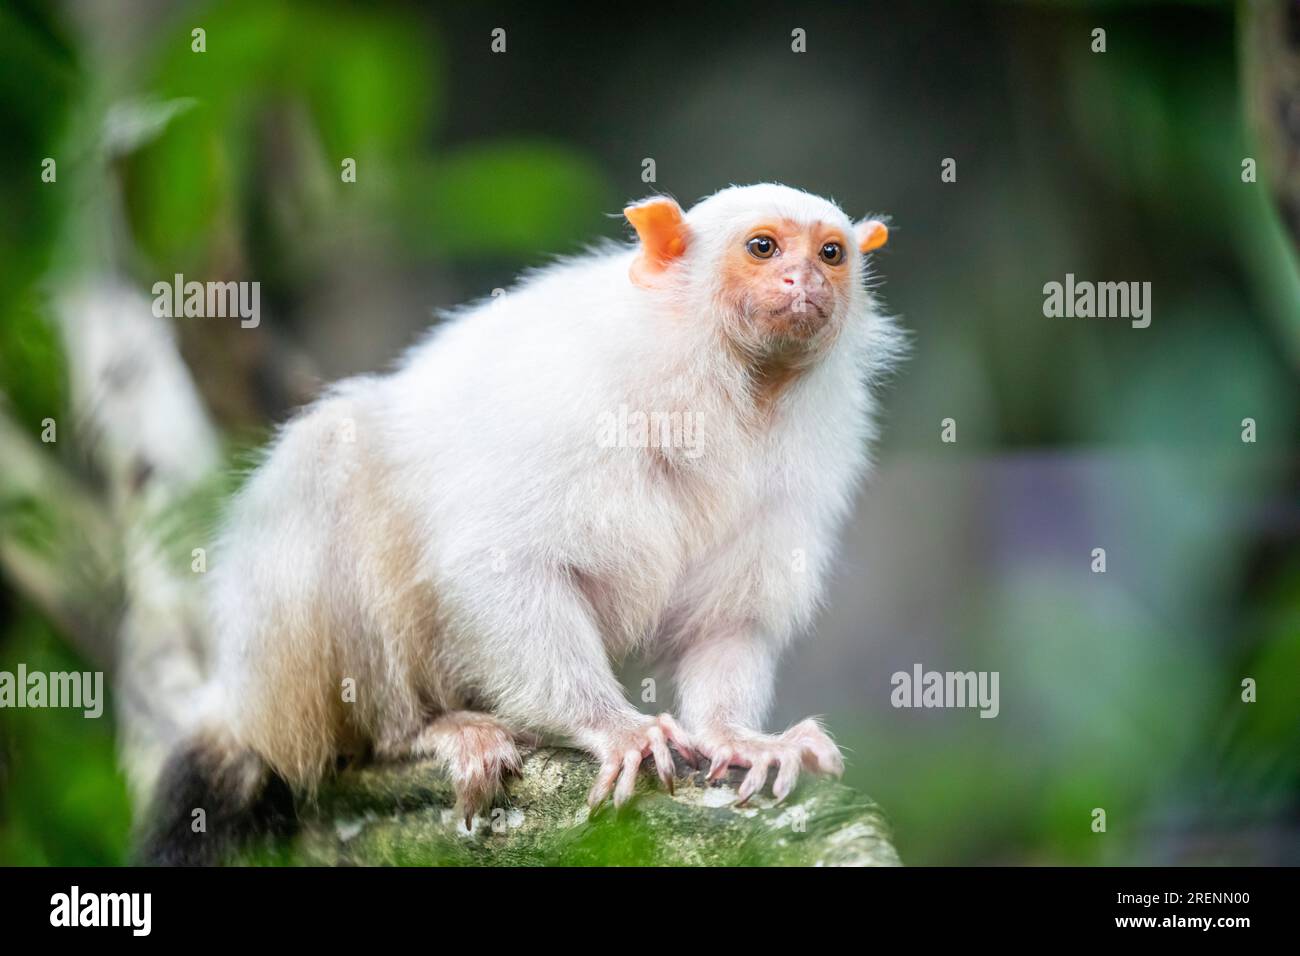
pixel 726 671
pixel 725 680
pixel 544 667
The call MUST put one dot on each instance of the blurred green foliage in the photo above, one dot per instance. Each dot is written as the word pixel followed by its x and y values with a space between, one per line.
pixel 37 86
pixel 63 801
pixel 350 84
pixel 1127 718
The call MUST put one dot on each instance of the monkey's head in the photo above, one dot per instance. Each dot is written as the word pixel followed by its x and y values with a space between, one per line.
pixel 780 270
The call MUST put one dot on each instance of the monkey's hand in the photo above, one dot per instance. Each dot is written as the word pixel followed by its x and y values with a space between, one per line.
pixel 804 745
pixel 621 749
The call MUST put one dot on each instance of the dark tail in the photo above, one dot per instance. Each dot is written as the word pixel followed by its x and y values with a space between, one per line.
pixel 214 799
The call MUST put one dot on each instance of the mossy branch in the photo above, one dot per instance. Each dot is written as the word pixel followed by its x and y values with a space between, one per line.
pixel 404 814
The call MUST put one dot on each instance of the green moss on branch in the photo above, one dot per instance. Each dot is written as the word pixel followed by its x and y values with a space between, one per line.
pixel 402 814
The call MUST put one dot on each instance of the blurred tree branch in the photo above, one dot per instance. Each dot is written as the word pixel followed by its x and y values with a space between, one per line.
pixel 139 412
pixel 100 562
pixel 402 814
pixel 56 543
pixel 1271 53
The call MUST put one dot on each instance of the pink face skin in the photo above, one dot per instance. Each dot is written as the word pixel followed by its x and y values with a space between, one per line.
pixel 785 283
pixel 787 278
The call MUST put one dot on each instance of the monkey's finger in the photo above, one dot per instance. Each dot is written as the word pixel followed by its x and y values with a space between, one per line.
pixel 721 761
pixel 605 778
pixel 832 762
pixel 679 739
pixel 627 777
pixel 820 753
pixel 474 795
pixel 756 777
pixel 663 757
pixel 787 775
pixel 511 764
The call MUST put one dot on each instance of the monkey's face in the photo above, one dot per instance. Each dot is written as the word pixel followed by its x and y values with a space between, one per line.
pixel 786 280
pixel 779 268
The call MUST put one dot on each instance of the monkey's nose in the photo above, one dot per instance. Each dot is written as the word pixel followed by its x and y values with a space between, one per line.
pixel 804 281
pixel 804 277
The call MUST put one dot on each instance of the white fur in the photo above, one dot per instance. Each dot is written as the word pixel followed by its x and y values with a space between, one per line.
pixel 474 545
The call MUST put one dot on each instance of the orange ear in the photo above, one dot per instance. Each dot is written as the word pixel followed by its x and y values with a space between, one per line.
pixel 871 234
pixel 661 228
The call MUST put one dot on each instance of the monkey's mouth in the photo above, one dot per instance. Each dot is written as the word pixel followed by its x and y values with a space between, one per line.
pixel 800 322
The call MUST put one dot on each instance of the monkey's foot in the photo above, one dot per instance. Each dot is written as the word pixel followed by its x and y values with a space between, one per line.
pixel 804 745
pixel 478 751
pixel 620 752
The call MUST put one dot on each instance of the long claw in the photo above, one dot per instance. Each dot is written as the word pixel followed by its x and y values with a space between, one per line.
pixel 600 790
pixel 786 777
pixel 721 763
pixel 679 739
pixel 627 778
pixel 663 757
pixel 755 779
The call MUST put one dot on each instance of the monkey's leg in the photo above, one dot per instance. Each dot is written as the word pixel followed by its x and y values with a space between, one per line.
pixel 478 751
pixel 724 683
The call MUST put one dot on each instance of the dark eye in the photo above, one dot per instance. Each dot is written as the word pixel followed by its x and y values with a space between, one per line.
pixel 761 247
pixel 832 253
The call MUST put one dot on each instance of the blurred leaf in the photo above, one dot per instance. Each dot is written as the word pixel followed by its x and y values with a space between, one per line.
pixel 132 123
pixel 367 79
pixel 514 197
pixel 32 370
pixel 63 801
